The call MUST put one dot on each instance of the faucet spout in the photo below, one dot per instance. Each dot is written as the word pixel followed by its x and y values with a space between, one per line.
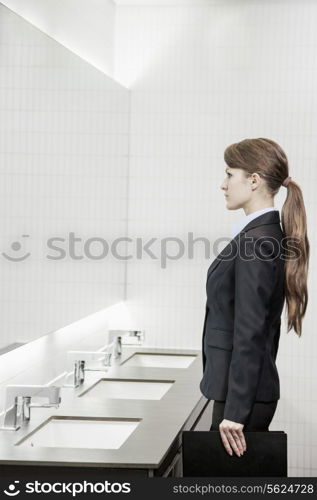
pixel 126 337
pixel 79 360
pixel 18 399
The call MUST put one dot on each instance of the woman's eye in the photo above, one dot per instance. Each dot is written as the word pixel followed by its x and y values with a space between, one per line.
pixel 229 175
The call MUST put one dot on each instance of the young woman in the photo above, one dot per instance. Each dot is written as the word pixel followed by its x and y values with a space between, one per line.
pixel 247 285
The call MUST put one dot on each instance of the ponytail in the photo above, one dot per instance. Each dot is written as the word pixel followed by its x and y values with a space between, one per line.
pixel 294 225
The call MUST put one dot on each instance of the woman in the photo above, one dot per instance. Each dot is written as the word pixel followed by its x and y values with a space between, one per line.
pixel 246 289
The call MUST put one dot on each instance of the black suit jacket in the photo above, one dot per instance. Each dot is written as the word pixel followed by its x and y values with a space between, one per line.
pixel 245 298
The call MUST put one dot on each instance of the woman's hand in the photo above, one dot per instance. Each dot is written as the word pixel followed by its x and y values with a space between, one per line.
pixel 232 437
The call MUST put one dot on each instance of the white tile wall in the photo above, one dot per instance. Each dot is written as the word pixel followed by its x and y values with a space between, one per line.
pixel 204 75
pixel 63 164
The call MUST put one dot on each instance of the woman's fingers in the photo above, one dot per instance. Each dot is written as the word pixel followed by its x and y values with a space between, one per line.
pixel 225 441
pixel 232 442
pixel 238 441
pixel 232 437
pixel 242 439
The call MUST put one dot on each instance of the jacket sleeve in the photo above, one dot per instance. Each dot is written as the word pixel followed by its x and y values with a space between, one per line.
pixel 254 284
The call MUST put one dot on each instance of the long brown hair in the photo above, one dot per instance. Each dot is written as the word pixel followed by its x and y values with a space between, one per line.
pixel 266 158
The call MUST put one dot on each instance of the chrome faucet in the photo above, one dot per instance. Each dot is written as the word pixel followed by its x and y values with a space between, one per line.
pixel 78 359
pixel 139 334
pixel 120 337
pixel 117 349
pixel 18 402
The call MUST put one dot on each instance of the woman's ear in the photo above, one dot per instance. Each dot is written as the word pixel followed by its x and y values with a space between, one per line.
pixel 255 180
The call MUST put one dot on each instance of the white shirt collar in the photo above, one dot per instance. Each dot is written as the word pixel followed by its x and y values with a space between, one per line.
pixel 241 223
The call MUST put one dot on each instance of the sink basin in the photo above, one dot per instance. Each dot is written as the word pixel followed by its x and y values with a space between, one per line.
pixel 160 360
pixel 79 432
pixel 128 389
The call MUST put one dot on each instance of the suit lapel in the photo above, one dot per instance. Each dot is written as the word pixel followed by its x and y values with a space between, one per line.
pixel 224 253
pixel 272 217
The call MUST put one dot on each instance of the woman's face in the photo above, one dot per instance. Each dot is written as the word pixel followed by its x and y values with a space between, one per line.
pixel 237 188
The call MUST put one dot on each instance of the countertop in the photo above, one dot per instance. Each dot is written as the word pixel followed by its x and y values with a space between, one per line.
pixel 161 421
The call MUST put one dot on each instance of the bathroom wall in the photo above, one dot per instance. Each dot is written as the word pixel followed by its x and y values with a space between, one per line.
pixel 63 167
pixel 203 75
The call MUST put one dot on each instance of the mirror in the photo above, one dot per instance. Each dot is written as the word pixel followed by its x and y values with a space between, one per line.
pixel 64 165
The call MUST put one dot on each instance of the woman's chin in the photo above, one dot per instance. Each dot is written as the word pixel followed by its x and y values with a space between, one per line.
pixel 230 206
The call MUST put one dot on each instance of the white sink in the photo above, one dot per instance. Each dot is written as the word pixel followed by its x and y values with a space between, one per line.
pixel 160 360
pixel 128 389
pixel 81 433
